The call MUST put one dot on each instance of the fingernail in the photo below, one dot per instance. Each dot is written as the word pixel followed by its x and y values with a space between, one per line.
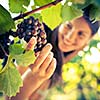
pixel 49 45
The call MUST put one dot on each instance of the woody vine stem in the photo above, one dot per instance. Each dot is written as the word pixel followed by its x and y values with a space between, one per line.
pixel 22 15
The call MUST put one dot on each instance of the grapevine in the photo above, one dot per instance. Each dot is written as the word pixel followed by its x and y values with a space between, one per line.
pixel 12 51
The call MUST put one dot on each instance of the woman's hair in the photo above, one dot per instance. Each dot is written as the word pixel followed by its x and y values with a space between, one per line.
pixel 94 25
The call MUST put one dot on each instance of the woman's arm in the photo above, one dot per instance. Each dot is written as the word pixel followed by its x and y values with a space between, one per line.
pixel 41 92
pixel 39 72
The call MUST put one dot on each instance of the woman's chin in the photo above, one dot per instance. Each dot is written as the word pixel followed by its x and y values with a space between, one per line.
pixel 64 49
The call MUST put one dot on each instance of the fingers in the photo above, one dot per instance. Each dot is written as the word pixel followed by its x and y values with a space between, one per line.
pixel 37 53
pixel 50 70
pixel 47 71
pixel 31 44
pixel 46 63
pixel 42 56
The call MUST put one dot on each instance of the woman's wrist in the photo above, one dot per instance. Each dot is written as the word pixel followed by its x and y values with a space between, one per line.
pixel 30 84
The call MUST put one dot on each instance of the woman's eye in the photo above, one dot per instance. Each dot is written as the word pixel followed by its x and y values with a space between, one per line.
pixel 69 25
pixel 81 34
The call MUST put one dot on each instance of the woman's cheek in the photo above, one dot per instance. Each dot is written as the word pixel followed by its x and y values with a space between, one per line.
pixel 81 44
pixel 60 46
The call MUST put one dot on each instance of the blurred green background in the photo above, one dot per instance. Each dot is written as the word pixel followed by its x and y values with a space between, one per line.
pixel 81 76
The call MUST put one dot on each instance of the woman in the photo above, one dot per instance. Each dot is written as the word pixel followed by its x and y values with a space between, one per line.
pixel 66 40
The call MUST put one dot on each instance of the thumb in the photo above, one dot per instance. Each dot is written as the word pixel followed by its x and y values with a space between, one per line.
pixel 31 44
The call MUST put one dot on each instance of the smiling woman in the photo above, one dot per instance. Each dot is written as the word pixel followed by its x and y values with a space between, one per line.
pixel 74 36
pixel 67 40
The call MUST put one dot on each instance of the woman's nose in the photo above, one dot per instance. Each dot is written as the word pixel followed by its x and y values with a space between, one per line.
pixel 71 36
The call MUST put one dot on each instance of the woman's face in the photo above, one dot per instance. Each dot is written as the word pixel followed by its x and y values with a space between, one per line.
pixel 73 35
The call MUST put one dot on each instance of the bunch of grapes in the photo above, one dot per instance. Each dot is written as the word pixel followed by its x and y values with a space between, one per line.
pixel 27 29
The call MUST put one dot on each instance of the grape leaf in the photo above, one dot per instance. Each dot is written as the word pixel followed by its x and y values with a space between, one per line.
pixel 51 16
pixel 10 80
pixel 42 2
pixel 16 49
pixel 17 6
pixel 25 59
pixel 70 12
pixel 6 22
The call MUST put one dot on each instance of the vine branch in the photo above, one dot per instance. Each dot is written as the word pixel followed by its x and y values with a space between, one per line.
pixel 22 15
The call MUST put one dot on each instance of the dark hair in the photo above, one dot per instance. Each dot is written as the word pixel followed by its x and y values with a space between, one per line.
pixel 94 25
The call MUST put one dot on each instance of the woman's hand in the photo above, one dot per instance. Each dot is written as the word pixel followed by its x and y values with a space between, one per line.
pixel 41 70
pixel 45 64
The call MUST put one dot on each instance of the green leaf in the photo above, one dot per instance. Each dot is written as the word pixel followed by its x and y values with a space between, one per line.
pixel 51 16
pixel 42 2
pixel 95 12
pixel 25 59
pixel 6 22
pixel 70 12
pixel 37 15
pixel 17 6
pixel 10 81
pixel 16 49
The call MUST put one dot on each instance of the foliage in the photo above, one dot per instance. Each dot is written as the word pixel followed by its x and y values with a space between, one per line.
pixel 52 16
pixel 8 84
pixel 62 12
pixel 17 6
pixel 6 22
